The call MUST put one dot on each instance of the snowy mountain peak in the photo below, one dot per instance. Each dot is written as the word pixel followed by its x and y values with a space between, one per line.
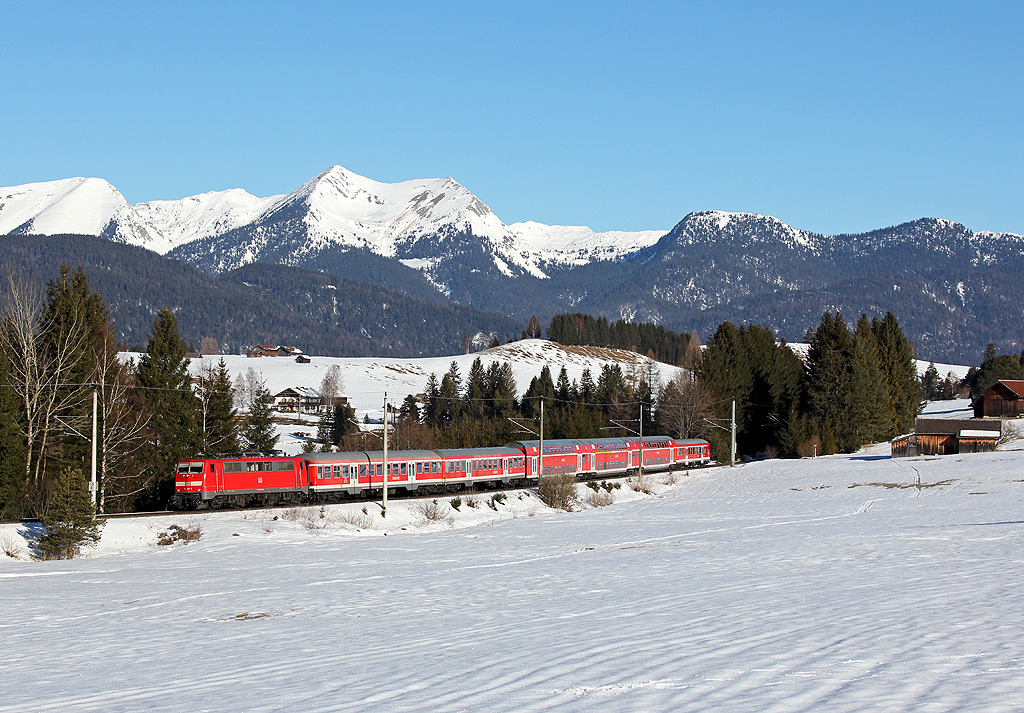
pixel 204 215
pixel 87 206
pixel 714 225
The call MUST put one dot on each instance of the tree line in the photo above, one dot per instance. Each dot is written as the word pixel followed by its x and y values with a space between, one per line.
pixel 58 357
pixel 648 338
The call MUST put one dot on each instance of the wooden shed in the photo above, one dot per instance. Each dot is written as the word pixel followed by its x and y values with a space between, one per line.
pixel 944 436
pixel 1004 399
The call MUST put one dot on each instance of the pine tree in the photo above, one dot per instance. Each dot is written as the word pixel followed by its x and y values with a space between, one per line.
pixel 930 384
pixel 12 447
pixel 258 432
pixel 866 418
pixel 899 371
pixel 69 519
pixel 432 403
pixel 828 377
pixel 164 379
pixel 410 409
pixel 501 387
pixel 218 397
pixel 476 389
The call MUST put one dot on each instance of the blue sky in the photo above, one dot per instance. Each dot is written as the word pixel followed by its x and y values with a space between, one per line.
pixel 835 117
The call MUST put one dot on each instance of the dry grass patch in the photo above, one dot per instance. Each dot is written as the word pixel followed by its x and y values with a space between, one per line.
pixel 433 511
pixel 642 483
pixel 176 533
pixel 558 491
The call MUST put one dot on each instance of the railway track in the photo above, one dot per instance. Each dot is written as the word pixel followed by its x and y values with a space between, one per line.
pixel 353 499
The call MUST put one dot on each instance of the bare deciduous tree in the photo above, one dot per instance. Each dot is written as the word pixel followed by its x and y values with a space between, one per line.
pixel 332 386
pixel 41 360
pixel 685 407
pixel 123 425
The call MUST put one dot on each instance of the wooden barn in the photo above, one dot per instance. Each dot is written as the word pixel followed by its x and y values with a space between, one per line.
pixel 945 436
pixel 1004 399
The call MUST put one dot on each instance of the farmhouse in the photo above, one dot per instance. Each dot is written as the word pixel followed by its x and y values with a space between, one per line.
pixel 1004 399
pixel 298 399
pixel 273 350
pixel 943 436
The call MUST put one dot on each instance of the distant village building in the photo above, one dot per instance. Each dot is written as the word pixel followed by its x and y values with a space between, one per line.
pixel 298 399
pixel 273 350
pixel 945 436
pixel 302 359
pixel 1004 399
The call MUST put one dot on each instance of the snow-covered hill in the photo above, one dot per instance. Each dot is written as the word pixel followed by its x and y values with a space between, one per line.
pixel 367 379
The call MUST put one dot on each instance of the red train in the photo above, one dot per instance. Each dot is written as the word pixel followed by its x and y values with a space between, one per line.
pixel 325 477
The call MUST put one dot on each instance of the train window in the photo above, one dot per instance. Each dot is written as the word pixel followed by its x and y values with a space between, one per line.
pixel 419 469
pixel 403 468
pixel 362 471
pixel 380 470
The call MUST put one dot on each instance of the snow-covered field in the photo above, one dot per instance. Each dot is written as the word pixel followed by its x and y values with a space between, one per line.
pixel 827 584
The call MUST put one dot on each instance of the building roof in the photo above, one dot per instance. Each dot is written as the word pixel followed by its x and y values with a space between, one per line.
pixel 978 434
pixel 953 426
pixel 1017 387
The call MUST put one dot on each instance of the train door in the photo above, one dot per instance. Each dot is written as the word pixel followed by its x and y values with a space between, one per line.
pixel 533 466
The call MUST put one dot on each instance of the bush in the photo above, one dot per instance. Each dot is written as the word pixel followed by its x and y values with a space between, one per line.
pixel 598 499
pixel 643 483
pixel 456 503
pixel 176 533
pixel 433 511
pixel 558 491
pixel 69 519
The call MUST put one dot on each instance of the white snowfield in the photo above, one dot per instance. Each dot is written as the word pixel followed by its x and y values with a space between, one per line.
pixel 827 584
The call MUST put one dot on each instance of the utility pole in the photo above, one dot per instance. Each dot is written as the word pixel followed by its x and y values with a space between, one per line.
pixel 733 463
pixel 540 457
pixel 92 480
pixel 384 506
pixel 641 437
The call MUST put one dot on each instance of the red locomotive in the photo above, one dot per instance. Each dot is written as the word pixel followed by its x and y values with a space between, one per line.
pixel 327 477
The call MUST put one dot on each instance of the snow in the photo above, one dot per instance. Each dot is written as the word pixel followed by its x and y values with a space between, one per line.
pixel 339 207
pixel 208 214
pixel 820 584
pixel 578 244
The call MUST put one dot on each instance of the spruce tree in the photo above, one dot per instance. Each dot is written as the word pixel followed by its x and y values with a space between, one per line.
pixel 221 431
pixel 476 389
pixel 258 432
pixel 166 386
pixel 828 378
pixel 69 519
pixel 12 447
pixel 866 420
pixel 899 371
